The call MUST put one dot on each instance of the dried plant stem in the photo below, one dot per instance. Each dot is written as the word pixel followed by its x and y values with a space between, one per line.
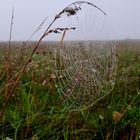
pixel 8 60
pixel 89 3
pixel 10 37
pixel 22 70
pixel 38 28
pixel 69 11
pixel 63 36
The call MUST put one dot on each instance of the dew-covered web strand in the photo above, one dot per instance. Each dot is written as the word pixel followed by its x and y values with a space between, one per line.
pixel 85 77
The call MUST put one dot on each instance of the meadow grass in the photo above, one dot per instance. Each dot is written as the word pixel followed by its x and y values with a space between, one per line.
pixel 36 112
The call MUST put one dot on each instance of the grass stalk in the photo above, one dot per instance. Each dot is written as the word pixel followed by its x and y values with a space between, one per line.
pixel 69 11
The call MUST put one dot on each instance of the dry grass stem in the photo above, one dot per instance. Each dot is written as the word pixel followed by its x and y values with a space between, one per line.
pixel 70 10
pixel 8 60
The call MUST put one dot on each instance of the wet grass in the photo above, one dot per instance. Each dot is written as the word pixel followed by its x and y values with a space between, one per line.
pixel 35 111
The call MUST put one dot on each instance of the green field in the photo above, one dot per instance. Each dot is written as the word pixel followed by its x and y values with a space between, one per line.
pixel 35 112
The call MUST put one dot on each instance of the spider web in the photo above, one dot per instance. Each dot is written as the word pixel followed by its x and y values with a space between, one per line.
pixel 85 72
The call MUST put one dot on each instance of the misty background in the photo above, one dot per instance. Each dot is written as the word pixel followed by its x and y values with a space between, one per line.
pixel 122 20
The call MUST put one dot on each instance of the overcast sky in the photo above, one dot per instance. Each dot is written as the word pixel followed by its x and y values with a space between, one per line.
pixel 122 22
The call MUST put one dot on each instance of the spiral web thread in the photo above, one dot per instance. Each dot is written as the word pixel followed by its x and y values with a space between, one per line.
pixel 85 72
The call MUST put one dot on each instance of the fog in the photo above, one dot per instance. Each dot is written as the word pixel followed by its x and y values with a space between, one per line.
pixel 122 20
